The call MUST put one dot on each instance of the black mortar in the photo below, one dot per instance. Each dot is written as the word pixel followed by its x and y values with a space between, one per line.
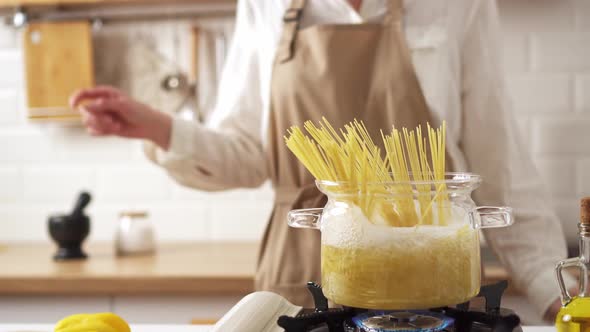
pixel 70 230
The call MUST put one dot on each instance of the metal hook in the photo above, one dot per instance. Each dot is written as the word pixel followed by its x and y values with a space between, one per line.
pixel 173 82
pixel 97 24
pixel 19 18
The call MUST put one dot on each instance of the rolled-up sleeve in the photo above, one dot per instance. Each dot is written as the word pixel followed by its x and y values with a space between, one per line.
pixel 492 147
pixel 227 152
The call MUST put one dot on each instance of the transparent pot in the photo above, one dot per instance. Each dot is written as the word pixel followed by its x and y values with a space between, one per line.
pixel 401 245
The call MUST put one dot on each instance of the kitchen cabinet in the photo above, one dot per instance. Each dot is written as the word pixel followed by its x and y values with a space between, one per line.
pixel 173 309
pixel 154 309
pixel 44 309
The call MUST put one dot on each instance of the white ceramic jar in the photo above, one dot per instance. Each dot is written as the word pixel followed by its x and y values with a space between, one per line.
pixel 134 234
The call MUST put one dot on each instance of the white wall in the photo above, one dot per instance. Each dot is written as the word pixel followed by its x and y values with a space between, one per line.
pixel 547 50
pixel 547 55
pixel 43 166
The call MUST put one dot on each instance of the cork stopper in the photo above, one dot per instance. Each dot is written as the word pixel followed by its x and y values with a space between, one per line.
pixel 585 211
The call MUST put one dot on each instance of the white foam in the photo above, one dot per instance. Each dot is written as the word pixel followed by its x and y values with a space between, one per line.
pixel 345 226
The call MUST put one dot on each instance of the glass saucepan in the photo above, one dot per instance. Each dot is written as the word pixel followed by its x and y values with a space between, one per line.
pixel 401 245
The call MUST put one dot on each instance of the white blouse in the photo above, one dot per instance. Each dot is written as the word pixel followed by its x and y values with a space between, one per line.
pixel 456 49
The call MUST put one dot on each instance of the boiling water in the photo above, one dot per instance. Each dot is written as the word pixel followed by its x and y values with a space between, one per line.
pixel 381 267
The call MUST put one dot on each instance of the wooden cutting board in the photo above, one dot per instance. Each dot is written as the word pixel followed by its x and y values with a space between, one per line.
pixel 58 61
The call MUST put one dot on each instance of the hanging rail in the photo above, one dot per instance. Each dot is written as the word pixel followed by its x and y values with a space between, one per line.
pixel 104 13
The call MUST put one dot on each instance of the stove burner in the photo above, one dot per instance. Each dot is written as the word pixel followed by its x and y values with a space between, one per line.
pixel 397 321
pixel 458 319
pixel 403 317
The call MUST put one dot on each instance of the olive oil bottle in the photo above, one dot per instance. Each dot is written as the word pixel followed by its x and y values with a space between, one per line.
pixel 574 315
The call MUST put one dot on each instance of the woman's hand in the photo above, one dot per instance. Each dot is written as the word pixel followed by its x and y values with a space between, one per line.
pixel 108 111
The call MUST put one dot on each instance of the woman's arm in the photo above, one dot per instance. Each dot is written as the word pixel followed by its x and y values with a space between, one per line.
pixel 226 153
pixel 493 148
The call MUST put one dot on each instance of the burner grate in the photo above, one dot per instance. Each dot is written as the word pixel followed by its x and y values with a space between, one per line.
pixel 493 318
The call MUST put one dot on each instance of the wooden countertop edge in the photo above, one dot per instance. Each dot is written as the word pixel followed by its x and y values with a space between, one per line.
pixel 149 286
pixel 165 273
pixel 127 286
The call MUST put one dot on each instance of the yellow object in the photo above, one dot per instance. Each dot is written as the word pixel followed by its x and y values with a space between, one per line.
pixel 350 156
pixel 422 267
pixel 100 322
pixel 575 316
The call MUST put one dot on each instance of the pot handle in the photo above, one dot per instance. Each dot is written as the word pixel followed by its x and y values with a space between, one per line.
pixel 491 217
pixel 305 218
pixel 571 262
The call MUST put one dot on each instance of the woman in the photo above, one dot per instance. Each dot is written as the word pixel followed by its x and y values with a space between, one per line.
pixel 382 61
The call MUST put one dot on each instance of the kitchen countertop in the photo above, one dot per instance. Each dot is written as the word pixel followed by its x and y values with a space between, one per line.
pixel 180 268
pixel 187 328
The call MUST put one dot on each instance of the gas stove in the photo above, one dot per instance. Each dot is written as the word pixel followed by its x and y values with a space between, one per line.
pixel 463 317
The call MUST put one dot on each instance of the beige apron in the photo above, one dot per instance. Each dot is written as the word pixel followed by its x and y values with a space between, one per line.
pixel 341 72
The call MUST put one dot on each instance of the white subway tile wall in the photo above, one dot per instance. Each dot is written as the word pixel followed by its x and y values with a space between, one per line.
pixel 11 184
pixel 527 87
pixel 583 92
pixel 522 17
pixel 11 60
pixel 581 18
pixel 548 52
pixel 516 53
pixel 8 106
pixel 547 56
pixel 562 137
pixel 54 182
pixel 42 167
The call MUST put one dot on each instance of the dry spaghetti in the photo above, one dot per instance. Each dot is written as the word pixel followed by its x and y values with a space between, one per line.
pixel 397 187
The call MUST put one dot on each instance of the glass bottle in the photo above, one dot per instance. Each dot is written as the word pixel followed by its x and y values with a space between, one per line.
pixel 574 315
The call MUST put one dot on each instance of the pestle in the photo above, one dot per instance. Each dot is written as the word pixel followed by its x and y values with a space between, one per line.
pixel 81 203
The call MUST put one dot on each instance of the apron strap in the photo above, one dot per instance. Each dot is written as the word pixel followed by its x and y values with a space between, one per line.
pixel 395 12
pixel 291 23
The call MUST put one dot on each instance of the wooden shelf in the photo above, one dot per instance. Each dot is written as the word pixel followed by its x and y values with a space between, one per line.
pixel 44 3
